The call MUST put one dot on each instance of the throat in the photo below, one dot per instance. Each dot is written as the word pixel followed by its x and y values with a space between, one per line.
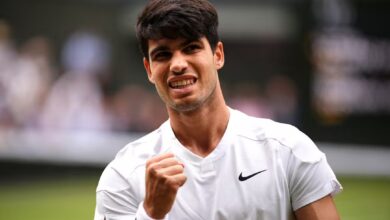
pixel 202 140
pixel 201 130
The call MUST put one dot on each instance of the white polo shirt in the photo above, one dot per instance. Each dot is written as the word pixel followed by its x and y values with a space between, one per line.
pixel 261 169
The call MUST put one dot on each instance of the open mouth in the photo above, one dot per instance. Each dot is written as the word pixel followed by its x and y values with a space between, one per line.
pixel 179 84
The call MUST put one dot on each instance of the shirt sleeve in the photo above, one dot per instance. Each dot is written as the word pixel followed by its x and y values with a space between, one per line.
pixel 117 199
pixel 310 176
pixel 111 207
pixel 114 206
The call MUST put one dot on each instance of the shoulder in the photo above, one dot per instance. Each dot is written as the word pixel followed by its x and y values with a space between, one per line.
pixel 141 149
pixel 130 161
pixel 264 129
pixel 282 137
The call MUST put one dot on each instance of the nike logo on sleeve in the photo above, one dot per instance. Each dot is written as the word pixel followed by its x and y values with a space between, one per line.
pixel 243 178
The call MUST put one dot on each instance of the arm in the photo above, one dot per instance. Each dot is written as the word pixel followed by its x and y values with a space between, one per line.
pixel 115 199
pixel 312 183
pixel 322 209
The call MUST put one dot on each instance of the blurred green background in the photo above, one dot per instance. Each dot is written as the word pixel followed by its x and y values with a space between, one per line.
pixel 51 199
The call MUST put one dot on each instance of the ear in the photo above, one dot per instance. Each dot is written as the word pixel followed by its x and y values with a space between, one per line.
pixel 219 56
pixel 148 70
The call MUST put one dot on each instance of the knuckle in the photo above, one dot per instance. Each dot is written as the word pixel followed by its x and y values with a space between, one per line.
pixel 152 170
pixel 184 179
pixel 180 168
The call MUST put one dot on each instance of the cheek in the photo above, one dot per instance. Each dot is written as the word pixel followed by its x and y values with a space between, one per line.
pixel 158 75
pixel 154 71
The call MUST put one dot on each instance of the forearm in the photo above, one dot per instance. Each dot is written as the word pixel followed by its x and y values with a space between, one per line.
pixel 322 209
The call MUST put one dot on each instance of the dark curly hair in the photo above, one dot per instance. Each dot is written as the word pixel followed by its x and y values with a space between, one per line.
pixel 188 19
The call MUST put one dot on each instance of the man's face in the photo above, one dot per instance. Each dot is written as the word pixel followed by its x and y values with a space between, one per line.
pixel 184 72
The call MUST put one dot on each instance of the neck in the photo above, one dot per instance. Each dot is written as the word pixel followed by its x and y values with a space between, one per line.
pixel 202 129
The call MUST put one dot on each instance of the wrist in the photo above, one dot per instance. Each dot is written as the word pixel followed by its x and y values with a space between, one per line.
pixel 143 213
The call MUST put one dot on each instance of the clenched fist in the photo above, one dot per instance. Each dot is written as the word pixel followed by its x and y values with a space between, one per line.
pixel 164 176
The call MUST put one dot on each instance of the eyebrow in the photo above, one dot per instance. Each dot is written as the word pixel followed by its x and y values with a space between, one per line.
pixel 163 47
pixel 157 49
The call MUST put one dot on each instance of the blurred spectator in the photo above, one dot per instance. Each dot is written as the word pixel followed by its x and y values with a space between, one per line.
pixel 86 52
pixel 7 59
pixel 136 109
pixel 248 98
pixel 76 101
pixel 152 113
pixel 282 99
pixel 279 101
pixel 30 81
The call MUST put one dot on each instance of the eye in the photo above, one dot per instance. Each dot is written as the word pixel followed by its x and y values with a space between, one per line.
pixel 192 48
pixel 161 56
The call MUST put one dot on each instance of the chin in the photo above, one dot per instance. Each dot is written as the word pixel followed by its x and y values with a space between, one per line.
pixel 186 107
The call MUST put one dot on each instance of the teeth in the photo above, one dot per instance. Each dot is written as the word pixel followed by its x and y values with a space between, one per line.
pixel 181 83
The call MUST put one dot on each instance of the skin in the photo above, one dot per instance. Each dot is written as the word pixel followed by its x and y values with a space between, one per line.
pixel 198 112
pixel 322 209
pixel 164 176
pixel 198 116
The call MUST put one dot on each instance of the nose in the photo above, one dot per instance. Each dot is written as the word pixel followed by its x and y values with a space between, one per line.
pixel 178 63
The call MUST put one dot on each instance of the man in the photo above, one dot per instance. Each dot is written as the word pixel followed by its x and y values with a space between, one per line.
pixel 209 161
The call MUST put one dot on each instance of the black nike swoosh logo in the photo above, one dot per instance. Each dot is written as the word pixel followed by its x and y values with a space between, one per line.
pixel 243 178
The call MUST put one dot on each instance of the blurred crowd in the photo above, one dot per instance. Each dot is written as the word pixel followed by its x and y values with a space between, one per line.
pixel 38 93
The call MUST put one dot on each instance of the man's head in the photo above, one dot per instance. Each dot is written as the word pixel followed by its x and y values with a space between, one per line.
pixel 172 19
